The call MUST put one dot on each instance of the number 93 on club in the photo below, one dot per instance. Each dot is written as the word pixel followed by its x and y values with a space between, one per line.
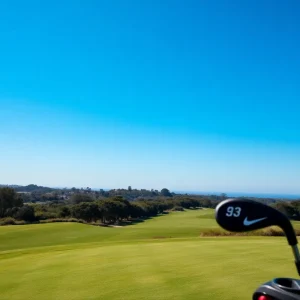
pixel 233 211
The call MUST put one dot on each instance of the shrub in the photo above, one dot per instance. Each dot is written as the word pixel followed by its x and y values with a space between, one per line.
pixel 8 199
pixel 79 198
pixel 25 213
pixel 7 221
pixel 86 211
pixel 177 208
pixel 11 212
pixel 41 215
pixel 64 212
pixel 272 231
pixel 60 220
pixel 22 222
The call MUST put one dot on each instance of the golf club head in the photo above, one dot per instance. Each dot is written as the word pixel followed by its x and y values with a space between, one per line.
pixel 247 215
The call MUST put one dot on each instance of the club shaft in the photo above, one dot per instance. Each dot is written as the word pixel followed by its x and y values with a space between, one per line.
pixel 296 253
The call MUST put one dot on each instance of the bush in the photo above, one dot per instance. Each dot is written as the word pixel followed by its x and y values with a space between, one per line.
pixel 8 199
pixel 272 231
pixel 64 212
pixel 86 211
pixel 177 208
pixel 25 213
pixel 11 212
pixel 47 211
pixel 7 221
pixel 61 220
pixel 21 222
pixel 79 198
pixel 40 215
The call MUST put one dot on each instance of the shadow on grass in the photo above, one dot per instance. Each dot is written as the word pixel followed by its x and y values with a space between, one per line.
pixel 141 220
pixel 123 223
pixel 195 208
pixel 134 221
pixel 131 222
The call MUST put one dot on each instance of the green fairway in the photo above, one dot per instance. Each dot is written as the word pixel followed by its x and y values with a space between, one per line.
pixel 161 258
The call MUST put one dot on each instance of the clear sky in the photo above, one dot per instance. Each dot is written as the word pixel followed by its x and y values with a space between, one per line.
pixel 188 95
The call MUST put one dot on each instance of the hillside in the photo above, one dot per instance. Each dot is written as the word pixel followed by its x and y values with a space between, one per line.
pixel 175 225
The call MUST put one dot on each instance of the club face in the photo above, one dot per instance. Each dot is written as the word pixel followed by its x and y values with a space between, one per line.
pixel 247 215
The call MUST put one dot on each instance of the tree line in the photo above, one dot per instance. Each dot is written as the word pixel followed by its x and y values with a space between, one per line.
pixel 36 194
pixel 115 209
pixel 89 209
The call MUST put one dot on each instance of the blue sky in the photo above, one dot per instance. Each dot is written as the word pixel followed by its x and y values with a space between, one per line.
pixel 188 95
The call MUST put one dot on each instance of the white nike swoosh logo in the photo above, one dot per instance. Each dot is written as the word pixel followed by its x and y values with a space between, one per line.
pixel 248 223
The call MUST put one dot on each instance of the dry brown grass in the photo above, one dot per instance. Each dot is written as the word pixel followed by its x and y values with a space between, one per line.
pixel 270 231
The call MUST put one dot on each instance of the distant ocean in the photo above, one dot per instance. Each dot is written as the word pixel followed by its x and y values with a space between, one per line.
pixel 237 194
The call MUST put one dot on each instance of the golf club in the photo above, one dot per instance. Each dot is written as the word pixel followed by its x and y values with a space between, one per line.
pixel 247 215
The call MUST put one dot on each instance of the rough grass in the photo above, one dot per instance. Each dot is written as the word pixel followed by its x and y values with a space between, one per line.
pixel 161 258
pixel 271 231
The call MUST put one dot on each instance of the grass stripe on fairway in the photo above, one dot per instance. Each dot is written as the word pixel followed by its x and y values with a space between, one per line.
pixel 74 261
pixel 175 225
pixel 195 269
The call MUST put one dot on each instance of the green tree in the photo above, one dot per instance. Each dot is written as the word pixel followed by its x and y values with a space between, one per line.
pixel 86 211
pixel 136 211
pixel 205 203
pixel 112 210
pixel 9 199
pixel 289 209
pixel 25 213
pixel 64 212
pixel 165 192
pixel 224 196
pixel 78 198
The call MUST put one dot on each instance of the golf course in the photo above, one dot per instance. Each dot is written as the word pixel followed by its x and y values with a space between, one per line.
pixel 160 258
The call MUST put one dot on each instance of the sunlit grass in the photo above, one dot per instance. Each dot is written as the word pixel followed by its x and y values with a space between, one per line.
pixel 161 258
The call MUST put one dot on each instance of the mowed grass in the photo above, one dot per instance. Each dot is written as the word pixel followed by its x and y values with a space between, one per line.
pixel 161 258
pixel 175 225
